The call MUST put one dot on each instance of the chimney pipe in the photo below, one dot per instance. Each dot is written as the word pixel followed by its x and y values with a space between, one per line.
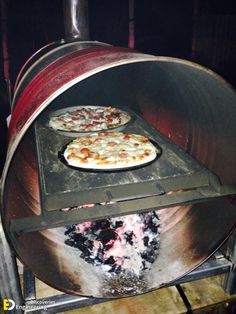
pixel 76 19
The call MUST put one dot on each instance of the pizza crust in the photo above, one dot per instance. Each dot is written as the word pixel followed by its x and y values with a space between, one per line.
pixel 110 151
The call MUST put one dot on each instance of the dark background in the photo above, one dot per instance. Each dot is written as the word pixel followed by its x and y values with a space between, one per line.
pixel 203 31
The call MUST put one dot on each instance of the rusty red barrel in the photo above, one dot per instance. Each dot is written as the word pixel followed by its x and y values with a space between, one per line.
pixel 189 104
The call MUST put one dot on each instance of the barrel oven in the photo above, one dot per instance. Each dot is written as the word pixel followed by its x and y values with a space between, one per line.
pixel 187 109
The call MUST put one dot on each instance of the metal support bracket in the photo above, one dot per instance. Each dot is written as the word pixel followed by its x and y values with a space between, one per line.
pixel 229 282
pixel 57 218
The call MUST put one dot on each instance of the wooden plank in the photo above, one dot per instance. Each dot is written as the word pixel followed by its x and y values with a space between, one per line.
pixel 207 293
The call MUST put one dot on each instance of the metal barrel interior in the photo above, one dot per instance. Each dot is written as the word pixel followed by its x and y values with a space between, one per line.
pixel 190 105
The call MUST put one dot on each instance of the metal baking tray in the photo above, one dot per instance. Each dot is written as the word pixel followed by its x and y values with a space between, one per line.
pixel 61 186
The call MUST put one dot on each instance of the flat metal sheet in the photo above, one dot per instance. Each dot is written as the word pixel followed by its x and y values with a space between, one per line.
pixel 62 186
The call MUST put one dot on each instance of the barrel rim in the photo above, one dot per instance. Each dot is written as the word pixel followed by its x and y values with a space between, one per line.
pixel 64 44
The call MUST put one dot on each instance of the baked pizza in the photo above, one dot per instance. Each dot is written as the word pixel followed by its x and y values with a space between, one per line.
pixel 110 150
pixel 88 118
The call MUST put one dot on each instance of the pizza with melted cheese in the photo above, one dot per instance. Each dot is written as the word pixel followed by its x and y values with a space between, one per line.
pixel 110 150
pixel 88 119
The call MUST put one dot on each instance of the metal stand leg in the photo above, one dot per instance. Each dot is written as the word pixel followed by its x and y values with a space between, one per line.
pixel 230 278
pixel 9 277
pixel 29 285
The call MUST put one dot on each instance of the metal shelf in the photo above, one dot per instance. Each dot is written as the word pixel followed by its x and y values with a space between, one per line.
pixel 62 186
pixel 144 189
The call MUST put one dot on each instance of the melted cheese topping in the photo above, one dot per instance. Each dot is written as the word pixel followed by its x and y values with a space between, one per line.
pixel 110 150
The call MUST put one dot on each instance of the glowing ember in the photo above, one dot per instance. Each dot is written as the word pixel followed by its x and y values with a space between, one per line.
pixel 122 244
